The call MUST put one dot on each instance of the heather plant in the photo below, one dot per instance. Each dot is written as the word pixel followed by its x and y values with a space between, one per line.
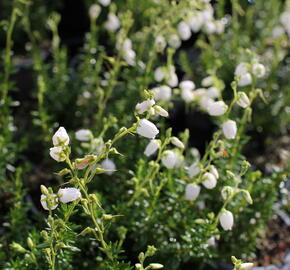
pixel 95 174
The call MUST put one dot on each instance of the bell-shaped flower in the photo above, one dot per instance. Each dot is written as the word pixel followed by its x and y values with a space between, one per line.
pixel 109 166
pixel 169 159
pixel 147 129
pixel 184 31
pixel 226 220
pixel 230 129
pixel 69 194
pixel 49 201
pixel 209 180
pixel 243 100
pixel 57 153
pixel 162 93
pixel 152 147
pixel 217 108
pixel 192 191
pixel 113 23
pixel 60 137
pixel 84 135
pixel 144 106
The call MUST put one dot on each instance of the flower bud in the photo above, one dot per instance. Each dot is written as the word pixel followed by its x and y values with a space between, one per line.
pixel 57 153
pixel 209 180
pixel 160 42
pixel 243 100
pixel 69 194
pixel 160 111
pixel 138 266
pixel 226 220
pixel 178 143
pixel 108 165
pixel 17 247
pixel 230 129
pixel 184 31
pixel 192 192
pixel 84 135
pixel 152 147
pixel 217 108
pixel 156 265
pixel 144 106
pixel 60 137
pixel 147 129
pixel 169 159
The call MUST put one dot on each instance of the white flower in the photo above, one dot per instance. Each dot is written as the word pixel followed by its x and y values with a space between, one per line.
pixel 187 84
pixel 241 69
pixel 226 192
pixel 156 266
pixel 144 106
pixel 147 129
pixel 210 27
pixel 57 153
pixel 184 31
pixel 179 160
pixel 245 80
pixel 195 22
pixel 219 27
pixel 60 137
pixel 53 198
pixel 160 111
pixel 187 95
pixel 212 92
pixel 246 266
pixel 174 41
pixel 94 11
pixel 195 153
pixel 230 129
pixel 193 170
pixel 227 220
pixel 211 241
pixel 285 19
pixel 113 23
pixel 207 81
pixel 129 57
pixel 178 143
pixel 159 74
pixel 162 93
pixel 243 100
pixel 160 42
pixel 105 3
pixel 207 13
pixel 172 79
pixel 259 70
pixel 108 165
pixel 151 147
pixel 192 192
pixel 205 102
pixel 69 194
pixel 213 170
pixel 217 108
pixel 209 180
pixel 84 135
pixel 169 159
pixel 278 31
